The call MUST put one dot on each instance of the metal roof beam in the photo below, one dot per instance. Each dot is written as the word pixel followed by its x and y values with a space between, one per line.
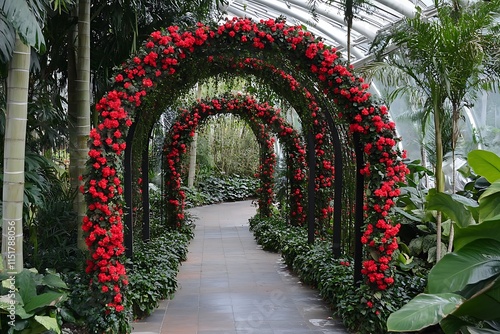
pixel 324 28
pixel 321 8
pixel 404 7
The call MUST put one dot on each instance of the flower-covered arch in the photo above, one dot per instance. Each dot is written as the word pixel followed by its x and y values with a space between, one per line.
pixel 263 119
pixel 169 64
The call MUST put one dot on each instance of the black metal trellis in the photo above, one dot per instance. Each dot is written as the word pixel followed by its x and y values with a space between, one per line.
pixel 146 232
pixel 128 189
pixel 337 186
pixel 358 220
pixel 311 198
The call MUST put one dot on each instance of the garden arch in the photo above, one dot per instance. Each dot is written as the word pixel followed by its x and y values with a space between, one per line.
pixel 169 64
pixel 302 100
pixel 263 119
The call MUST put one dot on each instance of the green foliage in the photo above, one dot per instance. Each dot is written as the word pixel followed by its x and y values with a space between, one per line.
pixel 418 223
pixel 53 234
pixel 228 188
pixel 361 309
pixel 151 275
pixel 227 144
pixel 194 197
pixel 155 267
pixel 464 286
pixel 485 163
pixel 37 299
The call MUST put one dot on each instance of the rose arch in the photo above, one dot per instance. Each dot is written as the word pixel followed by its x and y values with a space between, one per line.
pixel 171 62
pixel 263 119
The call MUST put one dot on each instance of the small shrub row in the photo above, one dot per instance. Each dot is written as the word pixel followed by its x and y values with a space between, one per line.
pixel 227 188
pixel 153 272
pixel 361 309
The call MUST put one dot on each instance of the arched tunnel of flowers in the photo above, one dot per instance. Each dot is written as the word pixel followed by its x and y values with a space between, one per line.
pixel 264 119
pixel 336 111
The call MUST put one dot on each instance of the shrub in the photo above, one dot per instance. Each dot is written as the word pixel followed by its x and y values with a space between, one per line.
pixel 228 188
pixel 153 271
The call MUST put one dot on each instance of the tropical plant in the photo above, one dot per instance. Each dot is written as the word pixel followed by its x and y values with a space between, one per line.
pixel 155 268
pixel 464 287
pixel 446 59
pixel 30 302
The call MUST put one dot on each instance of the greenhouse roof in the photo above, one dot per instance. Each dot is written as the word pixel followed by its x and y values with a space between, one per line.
pixel 328 18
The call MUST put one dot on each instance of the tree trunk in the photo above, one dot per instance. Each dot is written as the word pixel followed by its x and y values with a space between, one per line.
pixel 439 177
pixel 14 155
pixel 79 110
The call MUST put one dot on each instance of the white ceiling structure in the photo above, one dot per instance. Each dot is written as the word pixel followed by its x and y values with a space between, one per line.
pixel 328 21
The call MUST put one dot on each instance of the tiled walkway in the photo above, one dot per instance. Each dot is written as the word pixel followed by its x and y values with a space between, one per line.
pixel 229 285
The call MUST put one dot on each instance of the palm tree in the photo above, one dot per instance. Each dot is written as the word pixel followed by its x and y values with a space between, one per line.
pixel 79 105
pixel 19 25
pixel 446 59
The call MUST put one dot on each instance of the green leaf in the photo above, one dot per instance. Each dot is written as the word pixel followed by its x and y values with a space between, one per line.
pixel 22 18
pixel 45 299
pixel 489 229
pixel 25 282
pixel 454 209
pixel 485 163
pixel 423 311
pixel 484 305
pixel 8 36
pixel 452 324
pixel 54 281
pixel 477 261
pixel 48 323
pixel 406 214
pixel 489 202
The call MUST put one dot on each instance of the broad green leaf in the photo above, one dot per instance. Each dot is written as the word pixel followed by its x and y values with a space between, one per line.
pixel 477 261
pixel 45 299
pixel 489 202
pixel 493 189
pixel 484 305
pixel 423 311
pixel 454 209
pixel 485 163
pixel 26 285
pixel 24 21
pixel 49 323
pixel 54 281
pixel 489 229
pixel 452 324
pixel 407 215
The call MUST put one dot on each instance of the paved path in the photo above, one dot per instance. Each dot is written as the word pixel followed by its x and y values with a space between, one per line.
pixel 229 285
